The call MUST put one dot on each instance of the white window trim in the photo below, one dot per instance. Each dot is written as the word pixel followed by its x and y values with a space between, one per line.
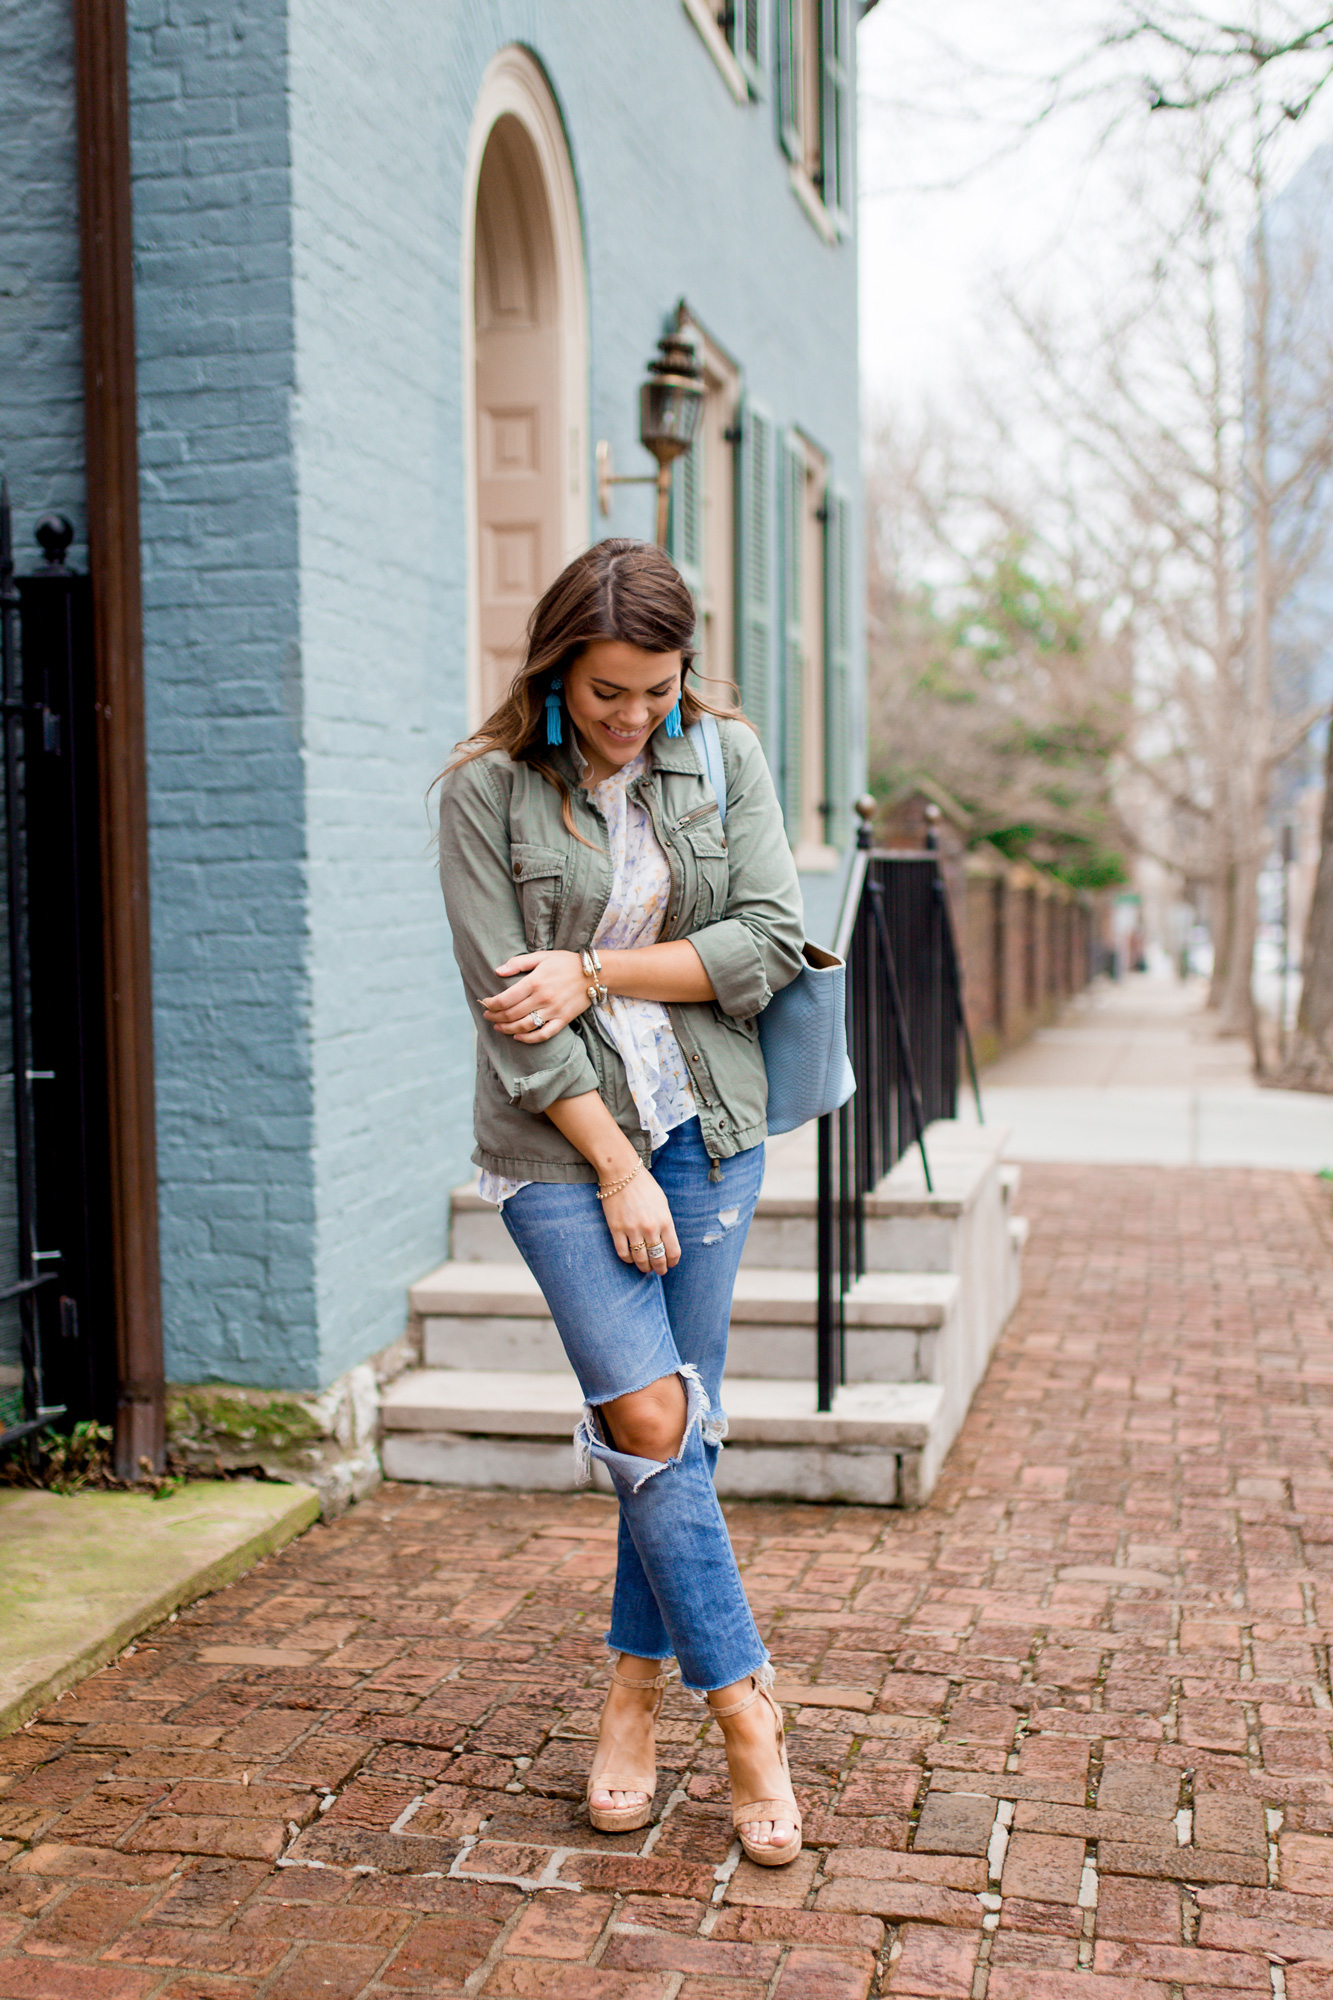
pixel 722 377
pixel 704 19
pixel 808 195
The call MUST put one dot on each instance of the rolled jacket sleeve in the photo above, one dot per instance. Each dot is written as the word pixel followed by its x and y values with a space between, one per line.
pixel 756 946
pixel 486 924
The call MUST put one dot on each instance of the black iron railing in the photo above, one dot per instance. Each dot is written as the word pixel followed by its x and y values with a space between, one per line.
pixel 25 1408
pixel 905 1024
pixel 55 1303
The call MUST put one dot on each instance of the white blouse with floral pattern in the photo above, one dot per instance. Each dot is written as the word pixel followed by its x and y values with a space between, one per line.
pixel 635 912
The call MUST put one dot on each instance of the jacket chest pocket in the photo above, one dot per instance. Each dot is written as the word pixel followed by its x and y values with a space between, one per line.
pixel 702 840
pixel 539 883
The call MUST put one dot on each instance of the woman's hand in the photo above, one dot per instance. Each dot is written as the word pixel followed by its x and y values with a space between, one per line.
pixel 555 988
pixel 638 1217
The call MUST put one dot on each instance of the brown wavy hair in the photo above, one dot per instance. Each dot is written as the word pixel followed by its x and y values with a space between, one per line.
pixel 618 589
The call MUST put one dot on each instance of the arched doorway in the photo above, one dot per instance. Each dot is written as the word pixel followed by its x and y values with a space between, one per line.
pixel 526 366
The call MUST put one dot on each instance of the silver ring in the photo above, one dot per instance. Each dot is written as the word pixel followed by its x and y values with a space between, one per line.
pixel 537 1020
pixel 657 1249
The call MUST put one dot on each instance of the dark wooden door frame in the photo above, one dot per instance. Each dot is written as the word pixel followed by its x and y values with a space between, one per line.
pixel 111 424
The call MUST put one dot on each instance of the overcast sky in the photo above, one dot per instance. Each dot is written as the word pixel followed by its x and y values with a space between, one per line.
pixel 946 86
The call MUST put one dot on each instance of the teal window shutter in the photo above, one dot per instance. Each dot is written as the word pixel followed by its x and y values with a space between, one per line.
pixel 685 522
pixel 748 21
pixel 741 23
pixel 837 669
pixel 791 645
pixel 834 122
pixel 753 541
pixel 789 76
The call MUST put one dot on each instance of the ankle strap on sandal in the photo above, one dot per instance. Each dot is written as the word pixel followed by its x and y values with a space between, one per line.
pixel 746 1701
pixel 657 1680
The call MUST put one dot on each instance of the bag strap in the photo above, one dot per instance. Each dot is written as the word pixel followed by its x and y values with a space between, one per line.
pixel 707 741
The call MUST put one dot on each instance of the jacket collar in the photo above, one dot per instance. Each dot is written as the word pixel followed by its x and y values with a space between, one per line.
pixel 673 753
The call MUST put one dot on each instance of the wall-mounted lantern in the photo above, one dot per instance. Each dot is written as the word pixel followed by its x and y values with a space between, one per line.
pixel 669 405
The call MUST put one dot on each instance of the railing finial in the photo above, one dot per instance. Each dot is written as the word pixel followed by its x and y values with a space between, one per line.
pixel 865 808
pixel 54 534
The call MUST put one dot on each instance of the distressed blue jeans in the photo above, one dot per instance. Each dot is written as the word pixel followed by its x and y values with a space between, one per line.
pixel 677 1587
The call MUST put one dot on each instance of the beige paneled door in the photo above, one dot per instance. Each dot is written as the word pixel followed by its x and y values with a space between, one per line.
pixel 528 368
pixel 518 396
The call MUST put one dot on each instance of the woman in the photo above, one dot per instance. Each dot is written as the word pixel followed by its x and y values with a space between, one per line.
pixel 616 948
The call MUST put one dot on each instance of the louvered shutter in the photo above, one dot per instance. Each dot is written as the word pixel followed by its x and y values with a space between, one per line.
pixel 834 129
pixel 837 669
pixel 740 21
pixel 754 570
pixel 685 523
pixel 789 75
pixel 791 647
pixel 748 22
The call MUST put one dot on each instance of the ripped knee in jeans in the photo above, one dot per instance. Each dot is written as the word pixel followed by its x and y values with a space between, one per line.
pixel 594 1438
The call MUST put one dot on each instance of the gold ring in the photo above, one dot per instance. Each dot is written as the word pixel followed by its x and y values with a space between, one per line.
pixel 638 1246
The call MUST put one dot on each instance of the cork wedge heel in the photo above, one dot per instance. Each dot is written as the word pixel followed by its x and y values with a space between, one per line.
pixel 745 1812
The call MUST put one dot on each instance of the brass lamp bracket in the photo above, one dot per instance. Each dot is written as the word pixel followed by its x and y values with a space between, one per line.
pixel 607 477
pixel 670 402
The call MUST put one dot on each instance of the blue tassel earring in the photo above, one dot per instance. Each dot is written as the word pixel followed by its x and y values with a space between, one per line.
pixel 553 731
pixel 673 726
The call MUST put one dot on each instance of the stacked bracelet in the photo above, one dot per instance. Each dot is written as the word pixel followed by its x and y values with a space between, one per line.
pixel 592 968
pixel 608 1188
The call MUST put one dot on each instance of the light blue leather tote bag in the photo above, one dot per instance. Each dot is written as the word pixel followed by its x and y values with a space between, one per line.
pixel 803 1029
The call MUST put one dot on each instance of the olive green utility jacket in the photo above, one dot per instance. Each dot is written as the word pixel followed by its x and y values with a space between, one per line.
pixel 515 880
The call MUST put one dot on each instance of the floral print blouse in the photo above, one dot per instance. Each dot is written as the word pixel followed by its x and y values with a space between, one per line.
pixel 635 913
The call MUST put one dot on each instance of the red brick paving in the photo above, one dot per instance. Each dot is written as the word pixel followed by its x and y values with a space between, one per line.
pixel 1021 1781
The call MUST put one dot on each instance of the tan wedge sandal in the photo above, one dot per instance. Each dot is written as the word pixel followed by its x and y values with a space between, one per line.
pixel 625 1819
pixel 746 1811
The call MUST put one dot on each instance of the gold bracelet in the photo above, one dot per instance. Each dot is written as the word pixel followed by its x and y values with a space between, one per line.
pixel 592 970
pixel 605 1192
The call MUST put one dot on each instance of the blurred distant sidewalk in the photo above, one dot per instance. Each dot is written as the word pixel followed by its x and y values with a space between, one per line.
pixel 1136 1073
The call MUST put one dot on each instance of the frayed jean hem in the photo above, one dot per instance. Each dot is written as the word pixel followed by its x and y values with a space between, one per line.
pixel 763 1675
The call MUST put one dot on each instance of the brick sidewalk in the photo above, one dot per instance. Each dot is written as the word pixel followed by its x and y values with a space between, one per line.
pixel 1064 1732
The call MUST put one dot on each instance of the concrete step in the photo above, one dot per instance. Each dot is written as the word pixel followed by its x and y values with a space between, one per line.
pixel 944 1269
pixel 782 1233
pixel 907 1228
pixel 880 1444
pixel 489 1316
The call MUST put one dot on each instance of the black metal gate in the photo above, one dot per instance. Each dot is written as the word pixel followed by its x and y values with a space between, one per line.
pixel 56 1325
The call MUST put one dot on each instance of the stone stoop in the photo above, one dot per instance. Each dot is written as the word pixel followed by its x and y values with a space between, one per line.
pixel 473 1427
pixel 495 1401
pixel 898 1325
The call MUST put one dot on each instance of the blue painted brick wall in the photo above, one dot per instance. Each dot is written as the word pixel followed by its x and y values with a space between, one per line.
pixel 298 180
pixel 684 192
pixel 212 196
pixel 41 361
